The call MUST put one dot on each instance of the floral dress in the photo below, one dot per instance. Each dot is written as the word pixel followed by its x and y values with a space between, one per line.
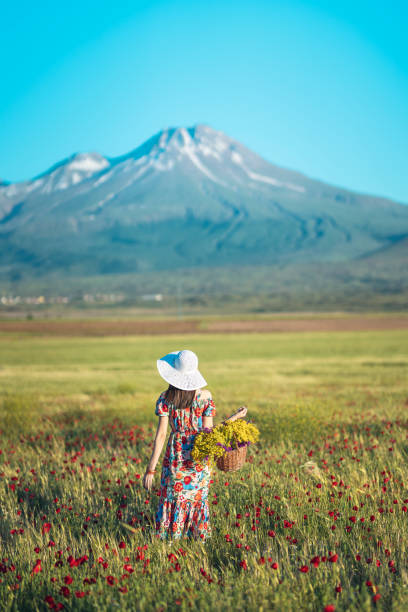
pixel 183 510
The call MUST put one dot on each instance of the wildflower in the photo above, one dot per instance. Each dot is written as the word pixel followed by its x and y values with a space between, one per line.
pixel 50 601
pixel 37 567
pixel 243 564
pixel 304 569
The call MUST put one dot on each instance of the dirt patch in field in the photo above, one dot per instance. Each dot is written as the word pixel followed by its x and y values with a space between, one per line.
pixel 128 328
pixel 99 328
pixel 347 324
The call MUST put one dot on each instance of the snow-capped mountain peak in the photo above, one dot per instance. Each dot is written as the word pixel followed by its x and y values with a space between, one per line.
pixel 73 170
pixel 202 151
pixel 87 162
pixel 198 152
pixel 62 175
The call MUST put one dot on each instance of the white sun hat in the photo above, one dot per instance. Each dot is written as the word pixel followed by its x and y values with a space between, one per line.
pixel 180 369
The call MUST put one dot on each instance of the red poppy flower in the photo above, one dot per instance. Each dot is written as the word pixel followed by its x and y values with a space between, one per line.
pixel 50 601
pixel 37 567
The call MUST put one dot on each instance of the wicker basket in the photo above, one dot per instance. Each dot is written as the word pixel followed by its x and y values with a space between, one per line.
pixel 232 460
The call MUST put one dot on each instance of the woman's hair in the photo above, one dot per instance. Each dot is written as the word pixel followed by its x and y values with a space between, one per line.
pixel 179 398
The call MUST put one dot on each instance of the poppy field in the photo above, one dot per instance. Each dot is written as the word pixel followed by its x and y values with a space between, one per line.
pixel 317 519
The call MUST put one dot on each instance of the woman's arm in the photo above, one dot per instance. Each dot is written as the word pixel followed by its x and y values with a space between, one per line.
pixel 158 444
pixel 208 421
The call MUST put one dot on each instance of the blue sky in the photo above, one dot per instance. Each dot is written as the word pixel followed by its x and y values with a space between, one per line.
pixel 317 86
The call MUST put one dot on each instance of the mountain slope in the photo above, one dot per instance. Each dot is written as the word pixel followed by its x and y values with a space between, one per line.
pixel 187 197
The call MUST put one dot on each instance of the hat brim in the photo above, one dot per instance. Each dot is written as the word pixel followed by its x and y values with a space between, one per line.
pixel 189 381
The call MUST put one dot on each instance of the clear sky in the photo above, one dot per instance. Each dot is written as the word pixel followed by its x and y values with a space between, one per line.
pixel 318 86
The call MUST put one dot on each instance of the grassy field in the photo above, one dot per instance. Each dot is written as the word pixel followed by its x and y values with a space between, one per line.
pixel 316 520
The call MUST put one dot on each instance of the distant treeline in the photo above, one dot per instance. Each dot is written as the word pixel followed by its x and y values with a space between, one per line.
pixel 356 286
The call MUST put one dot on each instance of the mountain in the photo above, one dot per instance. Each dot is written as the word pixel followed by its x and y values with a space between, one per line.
pixel 186 198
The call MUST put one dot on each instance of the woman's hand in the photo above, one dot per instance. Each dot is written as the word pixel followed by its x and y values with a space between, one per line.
pixel 238 415
pixel 148 480
pixel 241 412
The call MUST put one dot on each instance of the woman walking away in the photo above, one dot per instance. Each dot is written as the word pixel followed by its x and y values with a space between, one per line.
pixel 183 510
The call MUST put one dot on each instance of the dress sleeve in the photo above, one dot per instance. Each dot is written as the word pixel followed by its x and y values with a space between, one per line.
pixel 161 407
pixel 209 407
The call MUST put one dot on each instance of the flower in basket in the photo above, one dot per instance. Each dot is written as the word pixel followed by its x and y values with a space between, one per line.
pixel 211 444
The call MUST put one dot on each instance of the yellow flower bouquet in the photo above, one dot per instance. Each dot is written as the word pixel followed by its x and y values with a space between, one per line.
pixel 213 444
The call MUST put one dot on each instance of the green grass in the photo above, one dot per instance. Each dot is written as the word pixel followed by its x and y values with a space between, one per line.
pixel 77 420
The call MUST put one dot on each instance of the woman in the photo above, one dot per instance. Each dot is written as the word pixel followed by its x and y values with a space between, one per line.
pixel 183 505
